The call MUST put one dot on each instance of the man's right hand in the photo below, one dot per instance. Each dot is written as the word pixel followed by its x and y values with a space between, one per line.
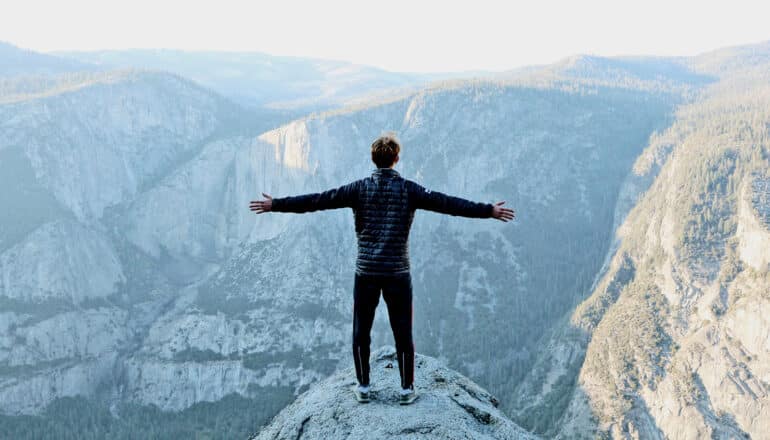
pixel 502 214
pixel 260 206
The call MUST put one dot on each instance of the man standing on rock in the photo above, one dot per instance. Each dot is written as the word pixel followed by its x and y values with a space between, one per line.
pixel 383 205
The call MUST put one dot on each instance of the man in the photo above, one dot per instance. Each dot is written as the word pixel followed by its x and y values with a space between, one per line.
pixel 383 205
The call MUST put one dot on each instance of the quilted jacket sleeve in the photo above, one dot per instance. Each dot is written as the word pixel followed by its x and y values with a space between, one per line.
pixel 343 197
pixel 422 198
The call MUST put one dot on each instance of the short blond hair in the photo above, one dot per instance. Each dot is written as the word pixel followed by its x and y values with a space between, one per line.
pixel 385 149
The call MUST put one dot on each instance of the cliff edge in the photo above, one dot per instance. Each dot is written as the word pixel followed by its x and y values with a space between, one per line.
pixel 450 406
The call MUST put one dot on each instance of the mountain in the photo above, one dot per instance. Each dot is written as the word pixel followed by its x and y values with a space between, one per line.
pixel 141 297
pixel 673 340
pixel 746 59
pixel 20 62
pixel 66 159
pixel 261 80
pixel 450 406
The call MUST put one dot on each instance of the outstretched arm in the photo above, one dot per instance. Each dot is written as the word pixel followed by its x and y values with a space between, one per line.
pixel 422 198
pixel 342 197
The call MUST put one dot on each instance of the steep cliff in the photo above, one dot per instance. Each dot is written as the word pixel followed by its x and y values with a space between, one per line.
pixel 674 340
pixel 67 283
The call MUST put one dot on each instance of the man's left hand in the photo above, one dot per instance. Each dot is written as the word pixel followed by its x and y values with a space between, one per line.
pixel 502 214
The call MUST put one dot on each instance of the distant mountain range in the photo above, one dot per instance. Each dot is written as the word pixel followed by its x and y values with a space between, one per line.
pixel 258 79
pixel 21 62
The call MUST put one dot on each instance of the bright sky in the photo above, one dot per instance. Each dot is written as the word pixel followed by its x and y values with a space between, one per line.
pixel 401 35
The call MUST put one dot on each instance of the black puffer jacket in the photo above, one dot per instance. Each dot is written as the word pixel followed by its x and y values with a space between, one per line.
pixel 383 205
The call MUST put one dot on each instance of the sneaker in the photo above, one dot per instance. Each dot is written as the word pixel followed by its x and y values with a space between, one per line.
pixel 408 398
pixel 361 395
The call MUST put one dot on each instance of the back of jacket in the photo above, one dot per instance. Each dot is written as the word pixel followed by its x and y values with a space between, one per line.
pixel 383 219
pixel 383 205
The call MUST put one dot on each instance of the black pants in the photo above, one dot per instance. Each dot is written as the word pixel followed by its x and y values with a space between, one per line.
pixel 397 291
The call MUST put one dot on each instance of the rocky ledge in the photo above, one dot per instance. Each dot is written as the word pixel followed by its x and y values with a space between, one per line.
pixel 450 406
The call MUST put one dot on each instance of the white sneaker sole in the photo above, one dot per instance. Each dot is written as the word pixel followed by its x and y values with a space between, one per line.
pixel 410 400
pixel 360 398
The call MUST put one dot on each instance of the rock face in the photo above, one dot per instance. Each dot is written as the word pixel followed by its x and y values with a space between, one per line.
pixel 450 406
pixel 674 341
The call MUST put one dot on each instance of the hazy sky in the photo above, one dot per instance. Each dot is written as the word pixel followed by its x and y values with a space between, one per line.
pixel 399 35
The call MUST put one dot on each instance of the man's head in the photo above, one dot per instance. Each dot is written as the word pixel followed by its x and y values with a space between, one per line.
pixel 385 150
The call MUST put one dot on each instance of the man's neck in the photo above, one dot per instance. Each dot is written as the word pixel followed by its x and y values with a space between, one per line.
pixel 385 171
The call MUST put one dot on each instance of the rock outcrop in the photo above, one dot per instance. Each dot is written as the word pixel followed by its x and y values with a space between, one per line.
pixel 450 406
